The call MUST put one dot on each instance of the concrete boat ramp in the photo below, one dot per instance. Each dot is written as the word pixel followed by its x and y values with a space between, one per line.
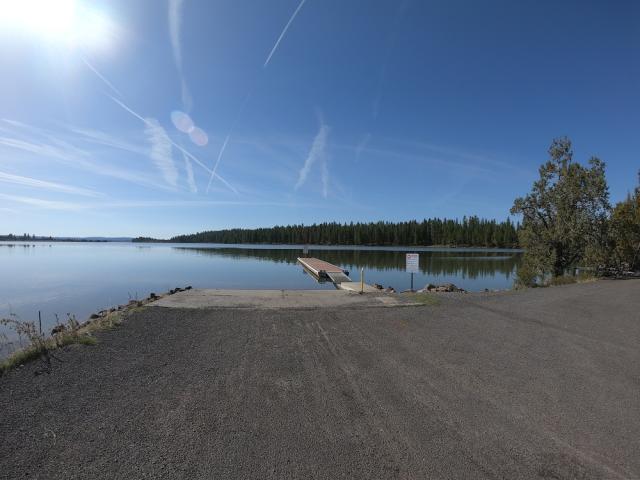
pixel 347 294
pixel 277 299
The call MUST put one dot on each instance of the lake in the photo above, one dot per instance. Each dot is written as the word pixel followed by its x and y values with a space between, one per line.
pixel 81 278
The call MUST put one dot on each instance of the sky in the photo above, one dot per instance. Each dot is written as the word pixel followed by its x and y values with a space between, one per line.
pixel 157 118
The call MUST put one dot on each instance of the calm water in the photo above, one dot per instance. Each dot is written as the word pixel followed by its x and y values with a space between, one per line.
pixel 82 278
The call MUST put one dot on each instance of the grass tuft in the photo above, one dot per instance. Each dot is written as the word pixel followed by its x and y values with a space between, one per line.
pixel 426 298
pixel 41 347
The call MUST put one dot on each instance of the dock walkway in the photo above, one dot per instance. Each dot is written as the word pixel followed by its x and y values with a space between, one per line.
pixel 323 271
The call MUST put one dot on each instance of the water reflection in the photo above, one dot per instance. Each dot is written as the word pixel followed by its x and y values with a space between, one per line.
pixel 471 264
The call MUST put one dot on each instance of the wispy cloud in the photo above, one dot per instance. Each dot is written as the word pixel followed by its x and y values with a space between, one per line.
pixel 284 31
pixel 175 35
pixel 362 145
pixel 70 155
pixel 325 177
pixel 41 203
pixel 191 181
pixel 161 151
pixel 181 149
pixel 316 153
pixel 44 185
pixel 98 137
pixel 72 206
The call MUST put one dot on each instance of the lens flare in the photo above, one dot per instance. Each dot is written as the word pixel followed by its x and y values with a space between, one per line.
pixel 199 137
pixel 182 121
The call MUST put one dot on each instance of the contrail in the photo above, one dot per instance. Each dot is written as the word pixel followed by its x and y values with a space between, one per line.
pixel 188 154
pixel 317 152
pixel 286 27
pixel 161 153
pixel 215 167
pixel 100 76
pixel 226 140
pixel 35 183
pixel 190 178
pixel 175 31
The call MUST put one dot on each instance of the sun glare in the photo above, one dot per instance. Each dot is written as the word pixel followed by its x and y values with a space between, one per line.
pixel 68 22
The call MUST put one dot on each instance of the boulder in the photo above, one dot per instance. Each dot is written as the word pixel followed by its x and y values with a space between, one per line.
pixel 378 286
pixel 188 288
pixel 390 290
pixel 444 288
pixel 428 287
pixel 94 316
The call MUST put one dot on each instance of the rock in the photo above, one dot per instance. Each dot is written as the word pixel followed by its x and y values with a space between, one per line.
pixel 429 286
pixel 188 288
pixel 93 316
pixel 390 290
pixel 153 295
pixel 378 286
pixel 445 288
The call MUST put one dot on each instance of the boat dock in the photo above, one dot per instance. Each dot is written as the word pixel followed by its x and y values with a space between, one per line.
pixel 325 271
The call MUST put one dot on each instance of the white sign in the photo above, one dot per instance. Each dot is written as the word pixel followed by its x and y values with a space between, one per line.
pixel 413 263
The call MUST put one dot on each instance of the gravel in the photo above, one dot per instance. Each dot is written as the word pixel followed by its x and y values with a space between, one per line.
pixel 535 384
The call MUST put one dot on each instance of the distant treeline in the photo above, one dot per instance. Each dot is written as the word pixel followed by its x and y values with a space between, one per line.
pixel 34 238
pixel 469 232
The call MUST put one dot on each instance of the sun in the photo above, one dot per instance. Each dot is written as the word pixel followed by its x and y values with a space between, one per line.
pixel 68 22
pixel 49 18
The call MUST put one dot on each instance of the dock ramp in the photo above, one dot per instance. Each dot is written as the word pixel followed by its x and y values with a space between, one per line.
pixel 321 269
pixel 325 271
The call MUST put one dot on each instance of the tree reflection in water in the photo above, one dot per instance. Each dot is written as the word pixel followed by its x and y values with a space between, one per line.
pixel 463 263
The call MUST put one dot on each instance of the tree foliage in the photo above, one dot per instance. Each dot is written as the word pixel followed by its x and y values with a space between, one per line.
pixel 565 214
pixel 471 231
pixel 625 233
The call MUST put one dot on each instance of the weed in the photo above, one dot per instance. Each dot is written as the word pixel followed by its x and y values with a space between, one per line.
pixel 41 347
pixel 426 299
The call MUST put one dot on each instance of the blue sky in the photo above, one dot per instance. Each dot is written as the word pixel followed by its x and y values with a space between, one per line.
pixel 305 112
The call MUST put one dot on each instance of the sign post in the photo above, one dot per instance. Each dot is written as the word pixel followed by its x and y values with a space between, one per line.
pixel 413 265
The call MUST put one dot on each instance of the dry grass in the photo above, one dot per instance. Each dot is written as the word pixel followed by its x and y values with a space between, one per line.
pixel 424 298
pixel 41 347
pixel 569 279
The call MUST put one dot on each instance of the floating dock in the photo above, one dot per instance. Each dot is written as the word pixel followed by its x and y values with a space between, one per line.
pixel 325 271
